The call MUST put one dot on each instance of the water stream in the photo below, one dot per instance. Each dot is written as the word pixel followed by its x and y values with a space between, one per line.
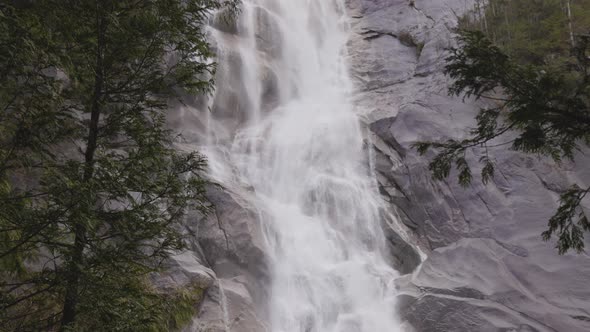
pixel 298 145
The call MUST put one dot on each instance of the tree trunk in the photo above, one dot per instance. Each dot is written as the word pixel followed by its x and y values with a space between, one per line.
pixel 570 23
pixel 74 271
pixel 483 8
pixel 506 8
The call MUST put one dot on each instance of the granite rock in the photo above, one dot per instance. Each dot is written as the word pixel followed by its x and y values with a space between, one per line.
pixel 487 268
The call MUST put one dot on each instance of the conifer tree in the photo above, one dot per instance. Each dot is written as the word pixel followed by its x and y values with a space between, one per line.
pixel 91 189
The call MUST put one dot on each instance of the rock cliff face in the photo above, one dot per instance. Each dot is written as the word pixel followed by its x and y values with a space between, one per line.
pixel 487 267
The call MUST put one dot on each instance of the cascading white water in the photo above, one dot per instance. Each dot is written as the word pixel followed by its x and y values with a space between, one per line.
pixel 300 148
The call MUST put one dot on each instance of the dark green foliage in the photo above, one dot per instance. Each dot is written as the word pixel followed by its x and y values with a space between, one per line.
pixel 530 31
pixel 131 306
pixel 571 232
pixel 91 189
pixel 541 110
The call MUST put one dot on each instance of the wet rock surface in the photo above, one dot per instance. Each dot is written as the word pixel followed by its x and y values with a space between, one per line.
pixel 227 244
pixel 487 268
pixel 227 257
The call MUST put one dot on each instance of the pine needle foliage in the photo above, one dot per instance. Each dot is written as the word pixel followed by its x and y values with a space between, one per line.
pixel 544 111
pixel 91 189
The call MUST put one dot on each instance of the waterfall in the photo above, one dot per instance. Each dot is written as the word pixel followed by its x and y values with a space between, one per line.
pixel 283 126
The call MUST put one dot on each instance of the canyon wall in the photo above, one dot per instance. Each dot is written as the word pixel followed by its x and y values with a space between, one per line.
pixel 485 268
